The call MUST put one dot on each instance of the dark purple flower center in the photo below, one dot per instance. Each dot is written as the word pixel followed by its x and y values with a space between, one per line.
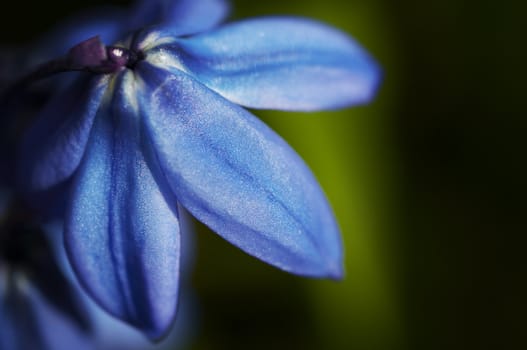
pixel 123 57
pixel 92 55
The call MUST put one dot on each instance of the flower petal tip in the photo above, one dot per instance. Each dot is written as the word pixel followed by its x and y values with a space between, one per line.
pixel 335 272
pixel 159 330
pixel 377 76
pixel 327 267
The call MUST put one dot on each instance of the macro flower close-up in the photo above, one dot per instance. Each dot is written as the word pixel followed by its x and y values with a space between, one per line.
pixel 233 174
pixel 150 118
pixel 163 126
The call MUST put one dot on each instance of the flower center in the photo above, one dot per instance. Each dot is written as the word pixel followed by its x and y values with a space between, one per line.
pixel 122 57
pixel 93 56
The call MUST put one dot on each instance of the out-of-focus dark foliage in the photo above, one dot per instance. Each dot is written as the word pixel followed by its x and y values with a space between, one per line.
pixel 429 185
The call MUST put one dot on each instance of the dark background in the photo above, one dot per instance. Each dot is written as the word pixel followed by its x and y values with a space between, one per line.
pixel 428 182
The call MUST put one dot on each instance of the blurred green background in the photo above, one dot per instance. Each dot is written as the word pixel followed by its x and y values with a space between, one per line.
pixel 428 184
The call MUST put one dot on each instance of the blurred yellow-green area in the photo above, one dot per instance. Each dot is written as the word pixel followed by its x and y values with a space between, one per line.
pixel 428 184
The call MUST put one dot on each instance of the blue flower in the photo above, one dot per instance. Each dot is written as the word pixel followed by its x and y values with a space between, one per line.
pixel 110 24
pixel 165 126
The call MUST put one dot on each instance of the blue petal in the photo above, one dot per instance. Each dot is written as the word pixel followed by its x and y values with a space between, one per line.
pixel 54 145
pixel 238 177
pixel 183 16
pixel 122 233
pixel 280 63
